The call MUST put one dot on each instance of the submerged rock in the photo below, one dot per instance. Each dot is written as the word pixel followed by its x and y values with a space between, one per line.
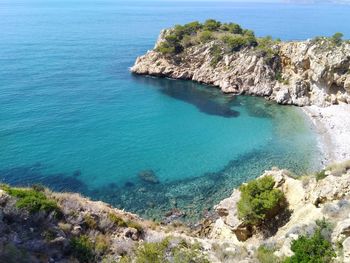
pixel 148 176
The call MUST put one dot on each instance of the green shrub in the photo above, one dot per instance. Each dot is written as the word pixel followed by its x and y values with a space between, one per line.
pixel 32 200
pixel 312 249
pixel 235 43
pixel 206 36
pixel 260 201
pixel 82 249
pixel 232 28
pixel 90 221
pixel 187 41
pixel 135 225
pixel 165 48
pixel 211 25
pixel 250 38
pixel 216 54
pixel 192 28
pixel 118 221
pixel 265 255
pixel 320 175
pixel 337 38
pixel 102 243
pixel 185 252
pixel 152 252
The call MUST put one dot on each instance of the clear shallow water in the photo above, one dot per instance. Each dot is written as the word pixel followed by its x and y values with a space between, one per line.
pixel 74 118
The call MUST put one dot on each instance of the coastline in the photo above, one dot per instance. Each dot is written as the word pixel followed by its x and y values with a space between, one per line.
pixel 333 130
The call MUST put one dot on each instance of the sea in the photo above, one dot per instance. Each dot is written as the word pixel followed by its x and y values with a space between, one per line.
pixel 73 117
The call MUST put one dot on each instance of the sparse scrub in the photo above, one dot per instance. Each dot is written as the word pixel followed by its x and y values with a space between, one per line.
pixel 337 169
pixel 90 221
pixel 82 249
pixel 118 221
pixel 102 243
pixel 265 255
pixel 135 225
pixel 152 252
pixel 31 199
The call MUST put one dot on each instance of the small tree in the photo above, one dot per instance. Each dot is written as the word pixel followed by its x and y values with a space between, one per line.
pixel 260 201
pixel 206 36
pixel 212 25
pixel 337 38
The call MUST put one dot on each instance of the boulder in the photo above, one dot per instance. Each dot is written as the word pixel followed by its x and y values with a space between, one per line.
pixel 148 176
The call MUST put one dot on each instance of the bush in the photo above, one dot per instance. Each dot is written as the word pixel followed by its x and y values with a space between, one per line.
pixel 32 200
pixel 152 252
pixel 312 249
pixel 135 225
pixel 82 249
pixel 235 43
pixel 192 28
pixel 250 38
pixel 186 41
pixel 337 38
pixel 260 201
pixel 320 175
pixel 216 54
pixel 90 221
pixel 102 243
pixel 211 25
pixel 118 221
pixel 165 48
pixel 206 36
pixel 232 28
pixel 185 252
pixel 265 255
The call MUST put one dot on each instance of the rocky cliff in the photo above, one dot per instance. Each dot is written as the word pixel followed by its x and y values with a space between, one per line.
pixel 309 72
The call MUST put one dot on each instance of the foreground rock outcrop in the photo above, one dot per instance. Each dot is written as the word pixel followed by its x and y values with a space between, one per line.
pixel 312 72
pixel 37 225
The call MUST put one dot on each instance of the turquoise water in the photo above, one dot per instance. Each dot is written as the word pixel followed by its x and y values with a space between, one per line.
pixel 74 118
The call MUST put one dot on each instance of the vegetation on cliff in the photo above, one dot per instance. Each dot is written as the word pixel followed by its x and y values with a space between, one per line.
pixel 231 36
pixel 260 201
pixel 316 248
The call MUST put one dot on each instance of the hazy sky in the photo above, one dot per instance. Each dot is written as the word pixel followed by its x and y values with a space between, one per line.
pixel 283 1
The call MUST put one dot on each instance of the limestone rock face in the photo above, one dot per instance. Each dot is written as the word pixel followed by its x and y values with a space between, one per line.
pixel 301 73
pixel 308 201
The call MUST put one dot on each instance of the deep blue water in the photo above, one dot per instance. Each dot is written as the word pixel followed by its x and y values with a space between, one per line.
pixel 74 118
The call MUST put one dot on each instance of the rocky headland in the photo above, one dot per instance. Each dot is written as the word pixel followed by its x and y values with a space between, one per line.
pixel 311 72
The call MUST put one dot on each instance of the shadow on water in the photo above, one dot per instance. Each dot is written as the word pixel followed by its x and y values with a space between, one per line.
pixel 208 100
pixel 29 175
